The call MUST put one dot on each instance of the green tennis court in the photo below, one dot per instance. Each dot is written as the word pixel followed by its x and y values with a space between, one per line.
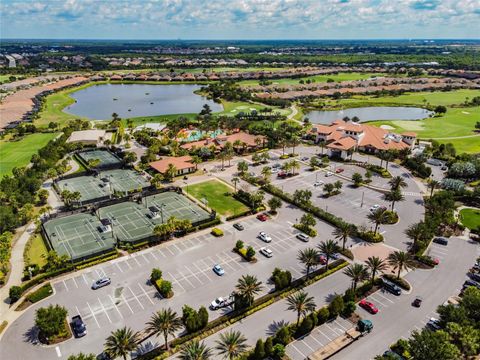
pixel 102 185
pixel 78 236
pixel 106 158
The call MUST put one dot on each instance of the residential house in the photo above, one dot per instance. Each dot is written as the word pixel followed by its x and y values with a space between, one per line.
pixel 183 165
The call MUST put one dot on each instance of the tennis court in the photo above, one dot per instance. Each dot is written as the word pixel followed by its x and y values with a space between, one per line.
pixel 176 205
pixel 107 159
pixel 95 187
pixel 78 236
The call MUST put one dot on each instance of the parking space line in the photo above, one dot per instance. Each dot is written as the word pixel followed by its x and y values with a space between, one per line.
pixel 384 297
pixel 315 339
pixel 176 247
pixel 295 271
pixel 174 280
pixel 65 284
pixel 75 282
pixel 194 275
pixel 119 268
pixel 148 297
pixel 321 332
pixel 296 349
pixel 187 280
pixel 136 298
pixel 84 279
pixel 171 252
pixel 334 330
pixel 57 350
pixel 136 260
pixel 105 311
pixel 203 272
pixel 115 305
pixel 152 254
pixel 146 259
pixel 128 264
pixel 126 302
pixel 93 314
pixel 308 346
pixel 340 325
pixel 378 301
pixel 161 253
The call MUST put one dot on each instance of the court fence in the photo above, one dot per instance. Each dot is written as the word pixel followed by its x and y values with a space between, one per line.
pixel 115 165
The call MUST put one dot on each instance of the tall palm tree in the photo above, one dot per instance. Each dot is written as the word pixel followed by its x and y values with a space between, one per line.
pixel 165 322
pixel 415 232
pixel 309 258
pixel 377 217
pixel 195 350
pixel 328 248
pixel 248 286
pixel 235 181
pixel 375 264
pixel 294 165
pixel 266 173
pixel 301 303
pixel 356 272
pixel 432 185
pixel 121 342
pixel 397 182
pixel 394 196
pixel 232 344
pixel 342 232
pixel 400 260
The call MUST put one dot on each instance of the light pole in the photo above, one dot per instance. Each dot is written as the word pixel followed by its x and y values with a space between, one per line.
pixel 161 210
pixel 363 193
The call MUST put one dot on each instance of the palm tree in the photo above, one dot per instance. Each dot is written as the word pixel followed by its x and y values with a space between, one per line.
pixel 432 185
pixel 301 303
pixel 196 160
pixel 294 165
pixel 235 181
pixel 121 342
pixel 309 258
pixel 400 260
pixel 377 217
pixel 165 322
pixel 328 248
pixel 170 172
pixel 294 142
pixel 342 232
pixel 394 196
pixel 195 350
pixel 356 272
pixel 231 345
pixel 415 232
pixel 375 264
pixel 397 182
pixel 266 173
pixel 248 286
pixel 222 156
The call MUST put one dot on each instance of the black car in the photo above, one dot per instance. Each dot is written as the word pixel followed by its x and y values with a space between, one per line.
pixel 78 326
pixel 417 302
pixel 474 277
pixel 238 226
pixel 471 283
pixel 391 287
pixel 441 241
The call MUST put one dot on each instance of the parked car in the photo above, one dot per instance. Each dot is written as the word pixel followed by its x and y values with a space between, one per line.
pixel 318 183
pixel 275 170
pixel 221 302
pixel 328 174
pixel 78 326
pixel 264 237
pixel 217 269
pixel 238 226
pixel 391 287
pixel 282 175
pixel 433 324
pixel 339 170
pixel 474 277
pixel 276 165
pixel 369 306
pixel 322 260
pixel 262 217
pixel 305 158
pixel 266 252
pixel 441 240
pixel 417 302
pixel 469 282
pixel 303 237
pixel 101 283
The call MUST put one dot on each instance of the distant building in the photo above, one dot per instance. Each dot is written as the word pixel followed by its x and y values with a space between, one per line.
pixel 341 138
pixel 89 137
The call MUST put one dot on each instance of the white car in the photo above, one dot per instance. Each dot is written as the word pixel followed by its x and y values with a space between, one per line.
pixel 318 183
pixel 328 174
pixel 303 237
pixel 275 170
pixel 221 302
pixel 266 252
pixel 101 283
pixel 264 237
pixel 375 208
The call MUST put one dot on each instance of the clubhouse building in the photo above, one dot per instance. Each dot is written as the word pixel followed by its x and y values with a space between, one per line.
pixel 342 138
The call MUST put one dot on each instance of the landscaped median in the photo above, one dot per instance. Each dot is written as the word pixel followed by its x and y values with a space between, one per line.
pixel 237 315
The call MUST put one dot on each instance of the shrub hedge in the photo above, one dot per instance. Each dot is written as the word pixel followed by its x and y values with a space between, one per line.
pixel 40 294
pixel 217 232
pixel 370 236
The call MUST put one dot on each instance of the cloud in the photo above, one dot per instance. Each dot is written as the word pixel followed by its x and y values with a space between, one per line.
pixel 241 18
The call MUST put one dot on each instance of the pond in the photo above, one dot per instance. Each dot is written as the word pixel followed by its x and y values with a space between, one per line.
pixel 372 113
pixel 133 100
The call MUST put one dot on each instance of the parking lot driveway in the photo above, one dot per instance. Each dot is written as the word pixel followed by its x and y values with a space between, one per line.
pixel 320 336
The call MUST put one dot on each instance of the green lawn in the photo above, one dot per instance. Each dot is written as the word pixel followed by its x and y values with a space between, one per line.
pixel 470 218
pixel 217 196
pixel 18 153
pixel 35 251
pixel 317 78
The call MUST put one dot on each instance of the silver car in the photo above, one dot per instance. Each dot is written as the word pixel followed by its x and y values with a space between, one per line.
pixel 101 283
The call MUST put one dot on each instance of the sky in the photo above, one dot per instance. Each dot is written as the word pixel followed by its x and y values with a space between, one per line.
pixel 240 19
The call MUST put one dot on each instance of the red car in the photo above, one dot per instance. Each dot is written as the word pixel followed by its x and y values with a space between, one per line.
pixel 262 217
pixel 282 175
pixel 340 170
pixel 322 260
pixel 367 305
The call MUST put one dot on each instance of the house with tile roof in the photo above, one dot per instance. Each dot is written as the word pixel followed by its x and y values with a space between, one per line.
pixel 183 164
pixel 248 141
pixel 342 138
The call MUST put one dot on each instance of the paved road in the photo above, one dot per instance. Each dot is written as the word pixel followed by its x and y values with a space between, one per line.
pixel 131 300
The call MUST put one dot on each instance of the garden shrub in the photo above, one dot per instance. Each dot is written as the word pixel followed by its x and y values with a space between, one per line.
pixel 349 308
pixel 390 217
pixel 305 327
pixel 15 293
pixel 164 287
pixel 155 275
pixel 371 236
pixel 323 315
pixel 40 294
pixel 336 306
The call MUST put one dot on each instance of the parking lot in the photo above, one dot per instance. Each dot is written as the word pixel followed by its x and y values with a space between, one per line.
pixel 300 349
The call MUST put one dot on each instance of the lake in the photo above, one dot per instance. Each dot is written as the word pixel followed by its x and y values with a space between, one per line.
pixel 133 100
pixel 371 113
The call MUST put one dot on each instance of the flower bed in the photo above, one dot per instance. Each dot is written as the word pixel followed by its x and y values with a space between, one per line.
pixel 371 236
